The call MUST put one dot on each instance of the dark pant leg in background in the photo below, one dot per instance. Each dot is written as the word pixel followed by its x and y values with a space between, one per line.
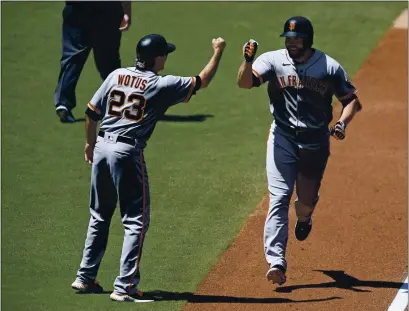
pixel 75 50
pixel 106 41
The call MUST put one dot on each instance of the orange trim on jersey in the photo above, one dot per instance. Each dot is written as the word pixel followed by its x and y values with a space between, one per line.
pixel 258 76
pixel 143 220
pixel 92 107
pixel 192 86
pixel 348 94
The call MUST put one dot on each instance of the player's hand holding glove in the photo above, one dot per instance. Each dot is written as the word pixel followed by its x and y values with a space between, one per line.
pixel 338 130
pixel 250 50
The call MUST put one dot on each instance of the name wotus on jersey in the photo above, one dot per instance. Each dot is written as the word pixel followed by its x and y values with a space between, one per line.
pixel 132 81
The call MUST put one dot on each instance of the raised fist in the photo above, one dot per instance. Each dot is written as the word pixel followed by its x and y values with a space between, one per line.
pixel 219 44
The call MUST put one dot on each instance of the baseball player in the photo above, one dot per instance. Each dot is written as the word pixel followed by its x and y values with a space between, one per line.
pixel 301 83
pixel 129 103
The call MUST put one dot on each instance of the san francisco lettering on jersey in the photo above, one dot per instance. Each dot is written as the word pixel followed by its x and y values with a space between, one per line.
pixel 132 81
pixel 304 81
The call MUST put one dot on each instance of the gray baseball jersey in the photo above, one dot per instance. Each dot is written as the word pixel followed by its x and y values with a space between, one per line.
pixel 131 101
pixel 301 94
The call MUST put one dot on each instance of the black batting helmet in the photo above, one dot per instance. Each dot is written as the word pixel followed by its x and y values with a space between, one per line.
pixel 149 47
pixel 299 26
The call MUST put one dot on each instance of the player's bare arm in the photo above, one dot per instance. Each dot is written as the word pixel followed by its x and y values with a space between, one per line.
pixel 90 139
pixel 350 110
pixel 208 72
pixel 347 114
pixel 245 74
pixel 126 19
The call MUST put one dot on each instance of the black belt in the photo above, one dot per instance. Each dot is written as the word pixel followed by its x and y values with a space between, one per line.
pixel 301 132
pixel 121 139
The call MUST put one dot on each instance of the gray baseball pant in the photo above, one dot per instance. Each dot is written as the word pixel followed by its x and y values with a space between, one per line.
pixel 118 173
pixel 287 164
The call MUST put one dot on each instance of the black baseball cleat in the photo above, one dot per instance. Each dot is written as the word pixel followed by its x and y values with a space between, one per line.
pixel 65 115
pixel 303 229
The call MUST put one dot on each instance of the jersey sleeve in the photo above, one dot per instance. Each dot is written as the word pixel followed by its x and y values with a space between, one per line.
pixel 344 89
pixel 179 89
pixel 98 102
pixel 262 68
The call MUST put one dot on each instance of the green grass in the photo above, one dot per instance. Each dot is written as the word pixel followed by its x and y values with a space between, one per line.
pixel 205 177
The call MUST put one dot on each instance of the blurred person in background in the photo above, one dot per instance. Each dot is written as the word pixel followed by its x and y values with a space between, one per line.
pixel 87 25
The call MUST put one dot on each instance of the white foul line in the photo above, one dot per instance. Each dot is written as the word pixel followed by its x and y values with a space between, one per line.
pixel 401 300
pixel 402 21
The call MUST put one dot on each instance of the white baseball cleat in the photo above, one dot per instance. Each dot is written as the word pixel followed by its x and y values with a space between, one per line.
pixel 89 287
pixel 139 296
pixel 276 274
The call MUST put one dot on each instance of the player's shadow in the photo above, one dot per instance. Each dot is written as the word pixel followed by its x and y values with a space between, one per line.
pixel 342 281
pixel 159 295
pixel 173 118
pixel 79 120
pixel 105 292
pixel 187 118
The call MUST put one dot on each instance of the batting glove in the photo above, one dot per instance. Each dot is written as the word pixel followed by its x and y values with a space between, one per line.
pixel 250 50
pixel 338 131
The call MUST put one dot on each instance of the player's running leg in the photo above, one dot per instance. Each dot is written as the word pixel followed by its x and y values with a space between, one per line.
pixel 281 173
pixel 311 170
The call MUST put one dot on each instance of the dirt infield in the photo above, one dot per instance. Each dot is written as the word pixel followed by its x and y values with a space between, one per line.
pixel 356 256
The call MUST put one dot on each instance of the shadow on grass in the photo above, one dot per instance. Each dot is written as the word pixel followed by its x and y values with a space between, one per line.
pixel 105 292
pixel 187 118
pixel 79 120
pixel 170 118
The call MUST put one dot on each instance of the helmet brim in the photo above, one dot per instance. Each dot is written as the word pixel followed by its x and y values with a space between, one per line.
pixel 293 34
pixel 171 48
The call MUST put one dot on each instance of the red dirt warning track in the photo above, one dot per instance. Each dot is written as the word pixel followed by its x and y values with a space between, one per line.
pixel 356 255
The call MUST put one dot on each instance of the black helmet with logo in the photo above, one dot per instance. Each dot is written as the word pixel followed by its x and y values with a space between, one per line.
pixel 151 46
pixel 299 26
